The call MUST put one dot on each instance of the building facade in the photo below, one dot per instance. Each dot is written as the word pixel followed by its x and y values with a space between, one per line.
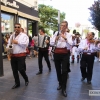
pixel 24 12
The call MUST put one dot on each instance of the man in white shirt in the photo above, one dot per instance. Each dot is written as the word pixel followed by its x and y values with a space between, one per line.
pixel 61 55
pixel 88 49
pixel 18 42
pixel 43 45
pixel 76 42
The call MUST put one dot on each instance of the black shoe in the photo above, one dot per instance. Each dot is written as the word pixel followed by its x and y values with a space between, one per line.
pixel 15 86
pixel 64 93
pixel 26 83
pixel 67 76
pixel 59 87
pixel 72 61
pixel 89 82
pixel 49 69
pixel 82 79
pixel 52 59
pixel 38 73
pixel 78 61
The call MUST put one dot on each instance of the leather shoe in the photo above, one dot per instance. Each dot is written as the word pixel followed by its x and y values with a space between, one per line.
pixel 15 86
pixel 38 73
pixel 49 69
pixel 67 76
pixel 82 79
pixel 64 93
pixel 59 87
pixel 26 83
pixel 89 82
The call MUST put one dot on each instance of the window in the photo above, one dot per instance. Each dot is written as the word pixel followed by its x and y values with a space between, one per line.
pixel 30 28
pixel 23 23
pixel 7 23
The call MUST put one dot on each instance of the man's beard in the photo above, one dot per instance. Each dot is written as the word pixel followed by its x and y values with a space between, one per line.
pixel 17 32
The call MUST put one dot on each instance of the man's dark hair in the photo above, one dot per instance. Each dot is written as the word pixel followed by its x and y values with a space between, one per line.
pixel 30 38
pixel 77 33
pixel 68 30
pixel 74 31
pixel 17 24
pixel 11 32
pixel 93 33
pixel 2 35
pixel 35 35
pixel 54 32
pixel 42 29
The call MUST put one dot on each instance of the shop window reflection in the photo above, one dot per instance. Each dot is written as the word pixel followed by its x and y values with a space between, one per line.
pixel 23 23
pixel 7 23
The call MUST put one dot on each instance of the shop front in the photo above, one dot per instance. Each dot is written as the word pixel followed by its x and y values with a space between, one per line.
pixel 14 11
pixel 7 22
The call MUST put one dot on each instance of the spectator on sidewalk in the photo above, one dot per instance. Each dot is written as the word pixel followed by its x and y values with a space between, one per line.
pixel 35 38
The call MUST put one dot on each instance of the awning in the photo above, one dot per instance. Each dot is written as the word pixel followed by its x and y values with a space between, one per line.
pixel 14 11
pixel 7 9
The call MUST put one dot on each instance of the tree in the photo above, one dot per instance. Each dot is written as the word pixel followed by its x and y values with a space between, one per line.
pixel 49 17
pixel 95 14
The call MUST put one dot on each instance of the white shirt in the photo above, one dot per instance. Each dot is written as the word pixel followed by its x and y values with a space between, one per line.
pixel 76 40
pixel 91 47
pixel 62 43
pixel 35 38
pixel 23 41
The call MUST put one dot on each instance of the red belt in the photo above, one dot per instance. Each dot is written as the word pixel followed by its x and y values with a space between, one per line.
pixel 18 55
pixel 61 50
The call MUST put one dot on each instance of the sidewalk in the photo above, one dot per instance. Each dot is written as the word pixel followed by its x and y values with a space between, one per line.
pixel 44 86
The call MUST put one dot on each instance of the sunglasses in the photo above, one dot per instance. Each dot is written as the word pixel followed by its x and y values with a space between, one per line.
pixel 17 27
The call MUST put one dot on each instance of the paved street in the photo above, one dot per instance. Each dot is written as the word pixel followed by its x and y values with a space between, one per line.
pixel 43 87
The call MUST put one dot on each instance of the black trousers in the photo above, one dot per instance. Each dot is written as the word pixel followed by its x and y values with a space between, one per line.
pixel 86 66
pixel 25 63
pixel 69 62
pixel 17 64
pixel 61 65
pixel 43 53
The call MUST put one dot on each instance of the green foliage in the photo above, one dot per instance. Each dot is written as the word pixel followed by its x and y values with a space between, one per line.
pixel 95 14
pixel 30 26
pixel 98 34
pixel 49 17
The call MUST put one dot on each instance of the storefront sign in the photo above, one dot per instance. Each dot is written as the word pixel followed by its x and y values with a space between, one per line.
pixel 13 4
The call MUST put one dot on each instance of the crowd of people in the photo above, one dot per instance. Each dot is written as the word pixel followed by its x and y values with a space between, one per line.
pixel 60 47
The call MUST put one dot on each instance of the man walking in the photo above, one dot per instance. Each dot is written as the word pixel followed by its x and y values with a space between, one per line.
pixel 43 44
pixel 61 55
pixel 18 42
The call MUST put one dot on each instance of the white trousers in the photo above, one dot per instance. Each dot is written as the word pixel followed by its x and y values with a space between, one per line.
pixel 74 51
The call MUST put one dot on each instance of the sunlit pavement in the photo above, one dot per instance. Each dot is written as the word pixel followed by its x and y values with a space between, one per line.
pixel 44 86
